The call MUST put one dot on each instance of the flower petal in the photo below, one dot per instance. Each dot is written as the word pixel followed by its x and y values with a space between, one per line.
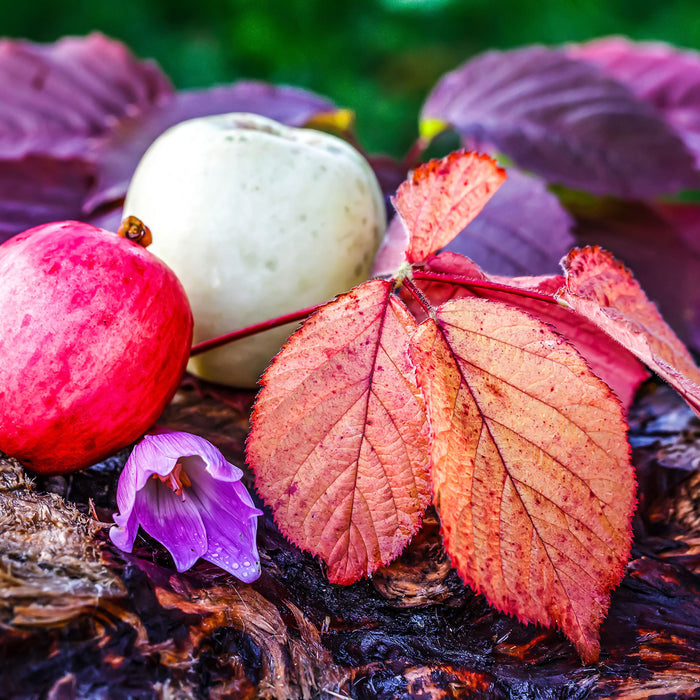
pixel 231 522
pixel 124 532
pixel 144 461
pixel 174 522
pixel 157 453
pixel 173 445
pixel 215 517
pixel 127 524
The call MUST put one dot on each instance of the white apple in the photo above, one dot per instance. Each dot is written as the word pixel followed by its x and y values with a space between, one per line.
pixel 257 219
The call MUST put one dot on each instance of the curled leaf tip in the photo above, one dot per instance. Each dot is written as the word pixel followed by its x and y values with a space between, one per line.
pixel 179 488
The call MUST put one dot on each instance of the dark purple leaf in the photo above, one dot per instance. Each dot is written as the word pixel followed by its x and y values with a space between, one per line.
pixel 661 245
pixel 39 189
pixel 522 230
pixel 667 77
pixel 109 219
pixel 119 153
pixel 390 173
pixel 76 116
pixel 564 120
pixel 55 97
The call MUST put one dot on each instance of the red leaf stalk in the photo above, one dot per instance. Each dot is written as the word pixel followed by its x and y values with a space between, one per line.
pixel 408 284
pixel 217 342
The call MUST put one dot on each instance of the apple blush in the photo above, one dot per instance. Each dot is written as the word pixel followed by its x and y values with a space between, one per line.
pixel 95 333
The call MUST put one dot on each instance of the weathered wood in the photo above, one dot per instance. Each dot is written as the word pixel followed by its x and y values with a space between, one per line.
pixel 81 619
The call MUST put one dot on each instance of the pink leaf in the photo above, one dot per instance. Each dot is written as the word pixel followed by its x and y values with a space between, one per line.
pixel 442 197
pixel 610 361
pixel 339 438
pixel 530 466
pixel 659 242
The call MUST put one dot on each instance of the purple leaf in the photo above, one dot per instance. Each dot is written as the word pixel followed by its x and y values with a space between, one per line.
pixel 109 220
pixel 666 77
pixel 55 97
pixel 119 153
pixel 179 488
pixel 38 189
pixel 522 230
pixel 564 120
pixel 76 116
pixel 390 174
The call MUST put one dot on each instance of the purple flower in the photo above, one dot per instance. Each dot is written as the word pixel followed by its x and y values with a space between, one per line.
pixel 179 488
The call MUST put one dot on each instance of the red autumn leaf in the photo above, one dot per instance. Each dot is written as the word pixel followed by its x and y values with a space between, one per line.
pixel 442 197
pixel 659 241
pixel 530 466
pixel 612 363
pixel 601 289
pixel 339 437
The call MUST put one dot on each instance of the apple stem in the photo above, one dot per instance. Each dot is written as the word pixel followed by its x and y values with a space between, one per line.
pixel 217 342
pixel 135 230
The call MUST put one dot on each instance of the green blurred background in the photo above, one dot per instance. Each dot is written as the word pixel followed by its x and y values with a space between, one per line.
pixel 379 58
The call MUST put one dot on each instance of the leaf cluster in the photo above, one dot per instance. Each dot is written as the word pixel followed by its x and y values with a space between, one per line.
pixel 479 394
pixel 465 374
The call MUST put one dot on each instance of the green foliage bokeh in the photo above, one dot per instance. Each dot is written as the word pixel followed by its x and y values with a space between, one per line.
pixel 377 57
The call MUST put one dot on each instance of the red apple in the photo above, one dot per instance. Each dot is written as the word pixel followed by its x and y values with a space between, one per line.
pixel 95 333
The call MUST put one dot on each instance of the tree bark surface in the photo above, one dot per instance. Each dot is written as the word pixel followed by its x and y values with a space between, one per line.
pixel 79 619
